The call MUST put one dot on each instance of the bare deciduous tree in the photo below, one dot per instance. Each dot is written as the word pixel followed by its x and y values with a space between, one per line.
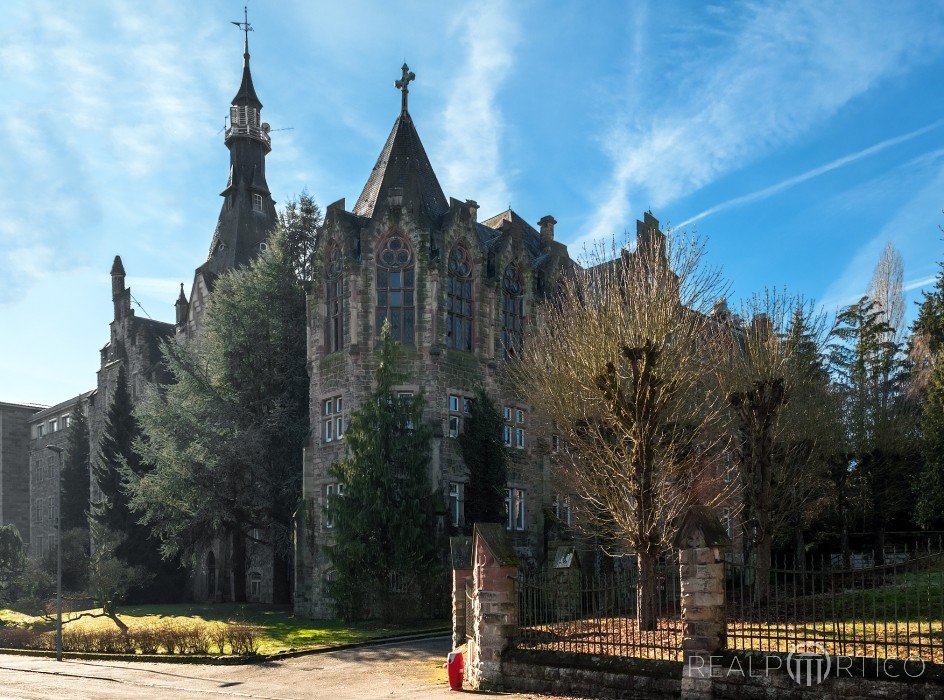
pixel 761 372
pixel 619 363
pixel 886 290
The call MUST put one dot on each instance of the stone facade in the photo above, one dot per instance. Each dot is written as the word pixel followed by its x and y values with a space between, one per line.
pixel 133 344
pixel 48 427
pixel 15 466
pixel 457 291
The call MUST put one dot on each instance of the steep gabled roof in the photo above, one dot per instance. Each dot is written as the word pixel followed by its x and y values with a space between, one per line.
pixel 403 169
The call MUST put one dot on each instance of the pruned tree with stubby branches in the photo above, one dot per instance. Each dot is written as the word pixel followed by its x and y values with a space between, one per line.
pixel 771 371
pixel 619 363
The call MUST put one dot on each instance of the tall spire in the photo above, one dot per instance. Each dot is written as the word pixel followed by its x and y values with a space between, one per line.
pixel 403 172
pixel 248 212
pixel 246 97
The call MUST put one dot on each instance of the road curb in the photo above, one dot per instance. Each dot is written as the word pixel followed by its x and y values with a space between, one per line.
pixel 229 660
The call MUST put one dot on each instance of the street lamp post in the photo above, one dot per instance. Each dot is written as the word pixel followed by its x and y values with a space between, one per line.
pixel 58 451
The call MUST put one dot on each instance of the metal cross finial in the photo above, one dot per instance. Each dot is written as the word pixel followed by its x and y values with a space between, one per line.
pixel 246 27
pixel 403 85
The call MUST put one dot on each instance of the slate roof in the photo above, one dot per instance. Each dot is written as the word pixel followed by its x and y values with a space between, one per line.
pixel 54 410
pixel 403 164
pixel 529 235
pixel 247 93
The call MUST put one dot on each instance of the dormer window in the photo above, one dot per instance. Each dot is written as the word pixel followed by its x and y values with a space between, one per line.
pixel 257 202
pixel 263 247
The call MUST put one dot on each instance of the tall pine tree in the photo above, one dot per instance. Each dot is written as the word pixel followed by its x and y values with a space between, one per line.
pixel 483 451
pixel 385 551
pixel 135 546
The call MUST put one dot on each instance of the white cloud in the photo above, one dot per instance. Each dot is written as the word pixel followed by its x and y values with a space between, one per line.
pixel 775 71
pixel 469 160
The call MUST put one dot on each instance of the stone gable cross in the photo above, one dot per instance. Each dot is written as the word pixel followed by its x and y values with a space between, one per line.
pixel 403 85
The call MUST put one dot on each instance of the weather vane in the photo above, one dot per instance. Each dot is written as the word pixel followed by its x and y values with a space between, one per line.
pixel 403 84
pixel 245 26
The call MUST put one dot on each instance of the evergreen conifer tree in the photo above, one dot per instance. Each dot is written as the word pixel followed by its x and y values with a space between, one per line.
pixel 483 451
pixel 118 462
pixel 930 506
pixel 75 474
pixel 226 437
pixel 385 549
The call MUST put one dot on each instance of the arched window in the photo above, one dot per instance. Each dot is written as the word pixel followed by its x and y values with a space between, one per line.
pixel 395 288
pixel 334 300
pixel 512 311
pixel 459 299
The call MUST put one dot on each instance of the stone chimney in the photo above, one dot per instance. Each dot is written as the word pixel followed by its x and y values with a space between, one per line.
pixel 473 209
pixel 547 230
pixel 120 297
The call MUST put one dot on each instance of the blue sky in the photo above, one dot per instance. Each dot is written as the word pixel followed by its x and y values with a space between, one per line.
pixel 798 138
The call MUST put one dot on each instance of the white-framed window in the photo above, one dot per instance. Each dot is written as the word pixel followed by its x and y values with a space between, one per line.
pixel 255 535
pixel 255 584
pixel 561 507
pixel 332 490
pixel 66 421
pixel 332 419
pixel 456 503
pixel 459 407
pixel 514 509
pixel 405 397
pixel 555 443
pixel 728 522
pixel 513 433
pixel 257 205
pixel 53 425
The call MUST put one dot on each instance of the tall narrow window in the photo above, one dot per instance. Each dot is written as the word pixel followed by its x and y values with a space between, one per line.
pixel 514 509
pixel 334 300
pixel 459 300
pixel 512 311
pixel 256 202
pixel 395 288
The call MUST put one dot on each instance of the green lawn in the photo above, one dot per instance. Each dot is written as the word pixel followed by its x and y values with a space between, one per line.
pixel 280 629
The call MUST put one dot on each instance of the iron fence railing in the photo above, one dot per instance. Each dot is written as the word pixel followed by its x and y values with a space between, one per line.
pixel 891 611
pixel 566 610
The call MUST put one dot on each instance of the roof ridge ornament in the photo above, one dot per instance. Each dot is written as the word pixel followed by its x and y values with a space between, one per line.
pixel 403 85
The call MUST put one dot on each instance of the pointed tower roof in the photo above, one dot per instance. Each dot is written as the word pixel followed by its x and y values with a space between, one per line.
pixel 246 97
pixel 403 169
pixel 117 268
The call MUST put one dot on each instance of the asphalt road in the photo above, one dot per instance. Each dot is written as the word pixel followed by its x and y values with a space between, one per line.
pixel 401 670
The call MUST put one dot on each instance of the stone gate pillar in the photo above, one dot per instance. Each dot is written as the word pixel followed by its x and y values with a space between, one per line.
pixel 460 552
pixel 702 543
pixel 494 604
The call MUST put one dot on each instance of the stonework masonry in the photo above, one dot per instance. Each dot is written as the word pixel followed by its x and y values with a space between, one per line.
pixel 14 466
pixel 48 427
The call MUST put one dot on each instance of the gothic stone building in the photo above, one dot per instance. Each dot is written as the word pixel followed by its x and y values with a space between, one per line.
pixel 458 292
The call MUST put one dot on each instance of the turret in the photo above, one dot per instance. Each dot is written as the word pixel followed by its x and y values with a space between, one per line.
pixel 120 296
pixel 248 212
pixel 182 306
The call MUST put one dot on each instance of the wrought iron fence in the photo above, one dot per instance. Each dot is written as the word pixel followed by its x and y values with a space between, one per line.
pixel 891 611
pixel 566 610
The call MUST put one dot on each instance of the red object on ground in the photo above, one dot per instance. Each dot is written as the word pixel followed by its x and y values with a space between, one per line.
pixel 454 666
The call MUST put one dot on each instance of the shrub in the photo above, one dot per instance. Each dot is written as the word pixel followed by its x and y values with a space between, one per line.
pixel 145 638
pixel 243 638
pixel 218 636
pixel 20 638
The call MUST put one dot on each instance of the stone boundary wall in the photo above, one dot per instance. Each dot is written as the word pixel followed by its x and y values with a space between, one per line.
pixel 580 675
